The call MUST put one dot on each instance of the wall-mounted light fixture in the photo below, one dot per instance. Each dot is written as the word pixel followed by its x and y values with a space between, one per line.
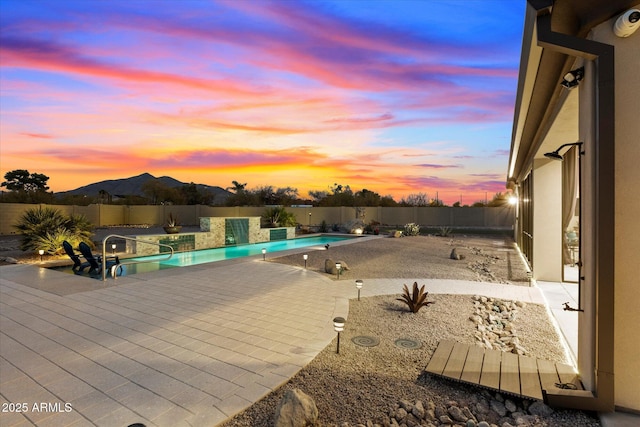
pixel 572 78
pixel 555 155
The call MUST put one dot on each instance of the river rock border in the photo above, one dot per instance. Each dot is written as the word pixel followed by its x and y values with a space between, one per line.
pixel 484 409
pixel 494 323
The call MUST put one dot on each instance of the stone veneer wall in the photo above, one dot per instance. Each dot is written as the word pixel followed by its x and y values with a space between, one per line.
pixel 212 235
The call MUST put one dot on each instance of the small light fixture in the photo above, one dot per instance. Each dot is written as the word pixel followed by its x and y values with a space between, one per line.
pixel 513 200
pixel 113 248
pixel 305 257
pixel 338 326
pixel 41 253
pixel 264 254
pixel 555 155
pixel 572 78
pixel 338 268
pixel 359 284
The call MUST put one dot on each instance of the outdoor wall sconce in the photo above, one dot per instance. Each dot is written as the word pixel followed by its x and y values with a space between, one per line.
pixel 555 155
pixel 305 257
pixel 572 78
pixel 41 252
pixel 359 284
pixel 264 254
pixel 338 268
pixel 338 326
pixel 113 248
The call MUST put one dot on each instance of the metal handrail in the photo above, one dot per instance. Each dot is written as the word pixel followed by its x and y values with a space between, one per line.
pixel 120 265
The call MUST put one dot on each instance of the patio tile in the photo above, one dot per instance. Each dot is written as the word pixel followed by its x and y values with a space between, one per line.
pixel 163 354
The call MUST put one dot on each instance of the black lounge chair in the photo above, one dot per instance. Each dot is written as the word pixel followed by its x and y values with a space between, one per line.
pixel 95 261
pixel 78 265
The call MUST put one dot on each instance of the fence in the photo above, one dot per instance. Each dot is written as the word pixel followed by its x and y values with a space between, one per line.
pixel 113 215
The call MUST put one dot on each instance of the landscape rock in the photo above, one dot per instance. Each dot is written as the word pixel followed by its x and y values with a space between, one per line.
pixel 498 407
pixel 330 266
pixel 456 414
pixel 455 255
pixel 296 409
pixel 540 409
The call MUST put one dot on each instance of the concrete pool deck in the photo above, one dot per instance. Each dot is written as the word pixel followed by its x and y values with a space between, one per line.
pixel 180 347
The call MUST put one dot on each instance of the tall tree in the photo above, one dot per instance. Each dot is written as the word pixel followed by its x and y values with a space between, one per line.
pixel 22 180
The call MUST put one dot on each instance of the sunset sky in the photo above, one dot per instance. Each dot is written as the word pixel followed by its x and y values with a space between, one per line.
pixel 397 97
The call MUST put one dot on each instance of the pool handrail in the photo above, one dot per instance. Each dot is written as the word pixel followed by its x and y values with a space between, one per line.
pixel 121 264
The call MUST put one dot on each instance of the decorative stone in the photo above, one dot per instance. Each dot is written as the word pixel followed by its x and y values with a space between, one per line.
pixel 510 405
pixel 296 409
pixel 418 410
pixel 456 414
pixel 468 414
pixel 540 409
pixel 444 419
pixel 498 407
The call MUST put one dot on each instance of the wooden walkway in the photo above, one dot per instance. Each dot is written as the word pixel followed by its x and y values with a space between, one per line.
pixel 509 373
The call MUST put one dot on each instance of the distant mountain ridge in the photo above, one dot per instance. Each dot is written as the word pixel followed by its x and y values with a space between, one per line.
pixel 133 186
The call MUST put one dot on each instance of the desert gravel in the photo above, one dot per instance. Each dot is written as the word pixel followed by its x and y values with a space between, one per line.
pixel 361 385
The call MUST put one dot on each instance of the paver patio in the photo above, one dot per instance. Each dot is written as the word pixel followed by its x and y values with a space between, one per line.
pixel 179 347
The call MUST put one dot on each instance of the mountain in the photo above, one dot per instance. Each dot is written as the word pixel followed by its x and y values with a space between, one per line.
pixel 133 187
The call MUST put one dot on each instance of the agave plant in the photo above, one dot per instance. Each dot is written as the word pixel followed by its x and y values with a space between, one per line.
pixel 415 300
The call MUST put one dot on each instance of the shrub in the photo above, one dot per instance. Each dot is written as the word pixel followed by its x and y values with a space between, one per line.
pixel 416 300
pixel 324 227
pixel 279 217
pixel 445 231
pixel 411 229
pixel 46 228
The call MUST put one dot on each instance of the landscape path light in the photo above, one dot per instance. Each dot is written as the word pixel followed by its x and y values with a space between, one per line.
pixel 41 252
pixel 264 254
pixel 359 284
pixel 338 326
pixel 113 248
pixel 338 268
pixel 305 257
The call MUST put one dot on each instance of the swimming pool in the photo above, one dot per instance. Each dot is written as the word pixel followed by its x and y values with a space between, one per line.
pixel 184 259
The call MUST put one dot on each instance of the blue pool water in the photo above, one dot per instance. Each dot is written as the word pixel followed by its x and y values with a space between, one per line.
pixel 183 259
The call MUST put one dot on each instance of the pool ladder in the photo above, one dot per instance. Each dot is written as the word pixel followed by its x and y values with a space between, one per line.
pixel 114 269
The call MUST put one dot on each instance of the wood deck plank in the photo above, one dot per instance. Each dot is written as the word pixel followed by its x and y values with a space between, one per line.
pixel 454 366
pixel 440 357
pixel 568 375
pixel 548 374
pixel 529 379
pixel 473 365
pixel 507 372
pixel 510 374
pixel 490 376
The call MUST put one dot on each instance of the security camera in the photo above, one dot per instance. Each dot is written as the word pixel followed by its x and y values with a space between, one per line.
pixel 627 23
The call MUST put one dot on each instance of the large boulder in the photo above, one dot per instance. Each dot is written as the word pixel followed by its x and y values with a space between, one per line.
pixel 296 409
pixel 330 266
pixel 352 226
